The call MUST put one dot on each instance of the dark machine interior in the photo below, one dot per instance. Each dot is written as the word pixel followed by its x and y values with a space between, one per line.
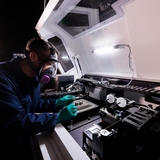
pixel 116 119
pixel 105 11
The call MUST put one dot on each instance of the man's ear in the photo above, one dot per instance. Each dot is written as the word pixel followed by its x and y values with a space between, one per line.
pixel 33 56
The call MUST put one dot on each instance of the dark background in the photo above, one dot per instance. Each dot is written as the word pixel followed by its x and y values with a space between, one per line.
pixel 18 19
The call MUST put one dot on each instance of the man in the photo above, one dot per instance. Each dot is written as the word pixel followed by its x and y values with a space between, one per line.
pixel 22 111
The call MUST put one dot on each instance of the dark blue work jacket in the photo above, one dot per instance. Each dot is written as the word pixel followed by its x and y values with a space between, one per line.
pixel 22 111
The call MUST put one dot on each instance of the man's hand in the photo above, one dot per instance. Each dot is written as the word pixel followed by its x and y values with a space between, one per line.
pixel 67 113
pixel 64 101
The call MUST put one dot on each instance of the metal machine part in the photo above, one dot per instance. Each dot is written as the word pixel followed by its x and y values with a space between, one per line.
pixel 84 105
pixel 137 134
pixel 96 92
pixel 123 125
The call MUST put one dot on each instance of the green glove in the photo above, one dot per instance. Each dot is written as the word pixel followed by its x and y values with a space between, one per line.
pixel 67 113
pixel 64 101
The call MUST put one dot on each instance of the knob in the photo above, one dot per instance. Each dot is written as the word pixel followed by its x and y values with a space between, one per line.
pixel 110 98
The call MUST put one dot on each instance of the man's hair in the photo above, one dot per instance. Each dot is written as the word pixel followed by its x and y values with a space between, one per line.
pixel 39 46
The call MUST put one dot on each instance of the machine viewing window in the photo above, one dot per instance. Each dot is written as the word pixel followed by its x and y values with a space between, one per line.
pixel 79 19
pixel 64 58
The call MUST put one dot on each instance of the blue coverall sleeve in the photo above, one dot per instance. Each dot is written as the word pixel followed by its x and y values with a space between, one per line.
pixel 17 111
pixel 44 105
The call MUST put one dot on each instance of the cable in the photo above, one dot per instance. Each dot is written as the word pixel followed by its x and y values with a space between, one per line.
pixel 129 58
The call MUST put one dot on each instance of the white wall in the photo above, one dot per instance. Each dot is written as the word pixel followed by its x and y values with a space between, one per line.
pixel 138 28
pixel 112 63
pixel 143 20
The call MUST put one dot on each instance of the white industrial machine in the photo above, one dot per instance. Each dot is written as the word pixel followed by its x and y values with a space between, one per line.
pixel 111 49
